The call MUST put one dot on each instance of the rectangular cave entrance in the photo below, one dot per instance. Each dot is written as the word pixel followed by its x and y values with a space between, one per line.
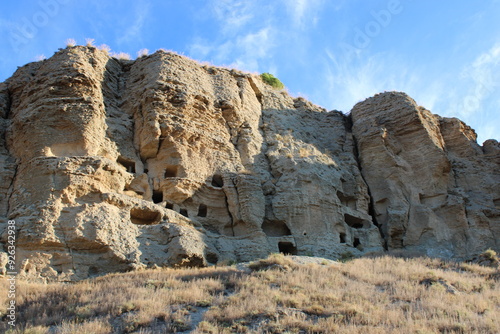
pixel 287 248
pixel 348 201
pixel 357 244
pixel 353 222
pixel 128 164
pixel 157 196
pixel 184 212
pixel 275 228
pixel 171 171
pixel 342 238
pixel 202 210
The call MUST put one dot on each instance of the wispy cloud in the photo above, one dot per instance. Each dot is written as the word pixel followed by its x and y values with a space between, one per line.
pixel 246 35
pixel 243 52
pixel 251 32
pixel 134 32
pixel 253 46
pixel 233 14
pixel 302 11
pixel 483 76
pixel 352 79
pixel 472 97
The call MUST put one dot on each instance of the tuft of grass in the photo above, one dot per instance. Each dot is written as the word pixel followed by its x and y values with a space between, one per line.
pixel 121 56
pixel 272 80
pixel 142 53
pixel 70 42
pixel 274 261
pixel 89 42
pixel 105 48
pixel 491 255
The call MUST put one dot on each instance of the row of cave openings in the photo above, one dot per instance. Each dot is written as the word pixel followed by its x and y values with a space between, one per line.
pixel 270 228
pixel 216 182
pixel 170 172
pixel 280 229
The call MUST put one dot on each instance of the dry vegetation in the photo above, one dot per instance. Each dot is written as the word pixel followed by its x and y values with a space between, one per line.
pixel 276 295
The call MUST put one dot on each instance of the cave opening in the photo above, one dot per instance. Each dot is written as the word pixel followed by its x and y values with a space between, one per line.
pixel 93 271
pixel 287 248
pixel 353 221
pixel 356 243
pixel 202 210
pixel 342 238
pixel 217 181
pixel 157 196
pixel 184 212
pixel 171 171
pixel 348 201
pixel 212 258
pixel 275 228
pixel 169 206
pixel 128 164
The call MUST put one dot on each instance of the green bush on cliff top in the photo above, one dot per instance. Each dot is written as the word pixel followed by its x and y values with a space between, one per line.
pixel 272 80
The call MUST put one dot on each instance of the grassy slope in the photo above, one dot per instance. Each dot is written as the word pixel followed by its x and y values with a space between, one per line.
pixel 380 295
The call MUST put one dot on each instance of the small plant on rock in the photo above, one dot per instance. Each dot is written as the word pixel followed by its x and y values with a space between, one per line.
pixel 121 56
pixel 89 42
pixel 70 42
pixel 142 53
pixel 272 80
pixel 105 48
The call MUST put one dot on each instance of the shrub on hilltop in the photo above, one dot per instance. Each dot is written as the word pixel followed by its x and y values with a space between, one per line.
pixel 272 80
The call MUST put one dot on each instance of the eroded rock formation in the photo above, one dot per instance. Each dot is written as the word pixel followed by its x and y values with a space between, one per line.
pixel 111 165
pixel 434 189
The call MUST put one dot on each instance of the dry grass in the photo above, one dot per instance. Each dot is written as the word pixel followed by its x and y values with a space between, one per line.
pixel 142 53
pixel 70 42
pixel 367 295
pixel 89 42
pixel 121 56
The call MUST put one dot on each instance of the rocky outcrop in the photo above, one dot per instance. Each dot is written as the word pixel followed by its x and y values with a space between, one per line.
pixel 434 189
pixel 111 165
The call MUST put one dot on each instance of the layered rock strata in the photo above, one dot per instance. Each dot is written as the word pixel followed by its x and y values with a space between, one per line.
pixel 434 189
pixel 110 165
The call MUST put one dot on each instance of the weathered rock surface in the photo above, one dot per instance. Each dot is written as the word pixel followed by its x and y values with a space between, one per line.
pixel 434 189
pixel 111 165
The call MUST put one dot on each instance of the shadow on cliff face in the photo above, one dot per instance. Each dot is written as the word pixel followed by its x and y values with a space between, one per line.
pixel 196 165
pixel 314 185
pixel 433 187
pixel 302 194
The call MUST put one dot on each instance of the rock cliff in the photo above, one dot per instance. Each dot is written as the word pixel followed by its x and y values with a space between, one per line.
pixel 110 165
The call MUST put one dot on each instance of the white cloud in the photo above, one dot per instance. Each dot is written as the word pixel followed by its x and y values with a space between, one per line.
pixel 246 36
pixel 302 11
pixel 483 75
pixel 353 79
pixel 233 14
pixel 134 32
pixel 470 95
pixel 244 52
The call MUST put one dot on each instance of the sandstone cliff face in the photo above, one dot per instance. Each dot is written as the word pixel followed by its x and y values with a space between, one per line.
pixel 114 165
pixel 434 189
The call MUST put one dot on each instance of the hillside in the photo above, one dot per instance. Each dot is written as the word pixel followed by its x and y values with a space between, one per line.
pixel 276 295
pixel 110 165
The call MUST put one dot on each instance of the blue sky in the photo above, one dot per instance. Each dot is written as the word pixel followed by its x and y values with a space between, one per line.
pixel 444 54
